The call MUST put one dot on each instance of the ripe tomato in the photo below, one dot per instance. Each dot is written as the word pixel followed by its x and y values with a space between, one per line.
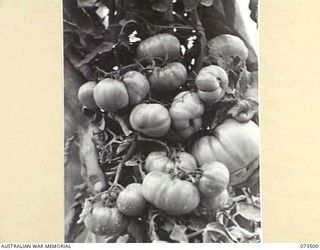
pixel 163 46
pixel 168 78
pixel 105 220
pixel 85 95
pixel 215 178
pixel 159 161
pixel 137 86
pixel 234 144
pixel 186 111
pixel 228 51
pixel 215 203
pixel 150 119
pixel 130 201
pixel 173 195
pixel 111 95
pixel 211 83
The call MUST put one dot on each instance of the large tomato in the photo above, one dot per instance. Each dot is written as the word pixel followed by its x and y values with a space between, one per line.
pixel 85 95
pixel 173 195
pixel 170 77
pixel 211 83
pixel 228 51
pixel 215 178
pixel 137 86
pixel 163 46
pixel 215 203
pixel 234 144
pixel 130 201
pixel 159 161
pixel 105 220
pixel 150 119
pixel 111 95
pixel 186 111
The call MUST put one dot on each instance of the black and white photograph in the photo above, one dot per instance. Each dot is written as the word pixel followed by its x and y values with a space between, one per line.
pixel 161 121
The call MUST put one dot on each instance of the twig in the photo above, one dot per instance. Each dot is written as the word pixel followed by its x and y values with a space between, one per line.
pixel 121 122
pixel 203 40
pixel 161 143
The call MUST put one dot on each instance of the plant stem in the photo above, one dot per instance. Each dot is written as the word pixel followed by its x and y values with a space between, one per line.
pixel 191 235
pixel 161 143
pixel 121 122
pixel 203 40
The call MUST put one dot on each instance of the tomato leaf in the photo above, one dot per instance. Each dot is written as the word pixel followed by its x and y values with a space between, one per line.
pixel 135 231
pixel 216 232
pixel 102 48
pixel 240 234
pixel 248 211
pixel 86 3
pixel 190 5
pixel 179 234
pixel 72 229
pixel 87 208
pixel 123 239
pixel 207 3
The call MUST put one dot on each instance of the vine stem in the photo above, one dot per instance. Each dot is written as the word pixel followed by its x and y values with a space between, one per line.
pixel 161 143
pixel 203 40
pixel 122 124
pixel 194 234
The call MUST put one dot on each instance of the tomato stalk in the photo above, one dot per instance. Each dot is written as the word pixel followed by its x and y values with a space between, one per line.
pixel 121 122
pixel 161 143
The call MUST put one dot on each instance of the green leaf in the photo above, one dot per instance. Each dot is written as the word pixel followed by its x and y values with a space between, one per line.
pixel 207 3
pixel 240 234
pixel 216 232
pixel 190 5
pixel 135 231
pixel 248 211
pixel 86 3
pixel 102 48
pixel 123 239
pixel 179 234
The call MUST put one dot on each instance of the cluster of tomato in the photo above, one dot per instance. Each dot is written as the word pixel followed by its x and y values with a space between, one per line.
pixel 179 182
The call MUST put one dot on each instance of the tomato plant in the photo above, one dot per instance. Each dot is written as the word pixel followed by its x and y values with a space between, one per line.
pixel 161 121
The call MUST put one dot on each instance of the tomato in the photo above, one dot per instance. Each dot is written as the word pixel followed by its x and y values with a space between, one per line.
pixel 163 46
pixel 215 203
pixel 186 111
pixel 150 119
pixel 105 220
pixel 234 144
pixel 211 83
pixel 85 95
pixel 173 195
pixel 228 51
pixel 215 178
pixel 111 95
pixel 168 78
pixel 130 201
pixel 137 86
pixel 159 161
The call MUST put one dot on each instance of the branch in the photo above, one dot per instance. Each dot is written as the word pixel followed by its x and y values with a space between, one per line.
pixel 203 40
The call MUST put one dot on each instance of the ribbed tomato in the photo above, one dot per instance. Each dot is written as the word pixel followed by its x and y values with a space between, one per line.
pixel 163 46
pixel 172 195
pixel 130 201
pixel 85 95
pixel 137 86
pixel 234 144
pixel 150 119
pixel 215 178
pixel 228 51
pixel 159 161
pixel 215 203
pixel 106 221
pixel 111 95
pixel 186 111
pixel 168 78
pixel 211 83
